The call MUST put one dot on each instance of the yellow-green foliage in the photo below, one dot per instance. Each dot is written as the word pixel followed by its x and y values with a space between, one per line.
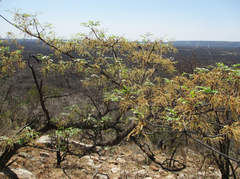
pixel 130 71
pixel 10 59
pixel 208 97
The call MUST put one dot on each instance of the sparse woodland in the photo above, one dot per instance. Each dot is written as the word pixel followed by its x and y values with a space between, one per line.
pixel 121 90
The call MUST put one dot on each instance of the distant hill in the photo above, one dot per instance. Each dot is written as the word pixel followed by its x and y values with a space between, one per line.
pixel 218 51
pixel 192 44
pixel 207 44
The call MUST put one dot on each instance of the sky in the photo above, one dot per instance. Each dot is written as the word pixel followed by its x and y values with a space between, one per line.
pixel 200 20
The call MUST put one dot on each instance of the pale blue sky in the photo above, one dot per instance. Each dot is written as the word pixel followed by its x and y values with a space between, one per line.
pixel 210 20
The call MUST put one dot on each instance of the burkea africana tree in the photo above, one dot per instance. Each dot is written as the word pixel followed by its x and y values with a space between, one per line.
pixel 127 97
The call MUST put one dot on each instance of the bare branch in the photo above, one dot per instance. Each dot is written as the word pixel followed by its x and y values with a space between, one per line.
pixel 5 98
pixel 26 126
pixel 168 164
pixel 62 95
pixel 39 88
pixel 120 137
pixel 211 148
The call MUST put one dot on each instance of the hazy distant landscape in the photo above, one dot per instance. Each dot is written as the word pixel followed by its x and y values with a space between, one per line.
pixel 208 44
pixel 216 51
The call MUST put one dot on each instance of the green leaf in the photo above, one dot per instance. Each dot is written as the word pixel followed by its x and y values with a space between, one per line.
pixel 236 65
pixel 206 90
pixel 193 94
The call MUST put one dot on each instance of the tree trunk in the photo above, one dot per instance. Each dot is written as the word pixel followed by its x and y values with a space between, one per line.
pixel 59 159
pixel 7 155
pixel 224 168
pixel 223 162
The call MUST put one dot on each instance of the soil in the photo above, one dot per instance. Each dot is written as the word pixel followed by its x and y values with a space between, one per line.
pixel 120 162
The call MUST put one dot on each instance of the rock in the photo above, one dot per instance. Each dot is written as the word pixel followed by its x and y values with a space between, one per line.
pixel 217 174
pixel 192 177
pixel 44 154
pixel 202 173
pixel 95 158
pixel 121 160
pixel 124 173
pixel 157 176
pixel 44 140
pixel 145 167
pixel 85 171
pixel 211 169
pixel 170 177
pixel 23 174
pixel 18 173
pixel 100 176
pixel 182 175
pixel 87 163
pixel 147 178
pixel 113 162
pixel 103 158
pixel 24 155
pixel 153 168
pixel 139 158
pixel 43 160
pixel 189 159
pixel 115 170
pixel 141 173
pixel 122 154
pixel 161 171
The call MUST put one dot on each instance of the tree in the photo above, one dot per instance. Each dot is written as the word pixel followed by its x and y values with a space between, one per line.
pixel 127 97
pixel 100 59
pixel 205 106
pixel 188 64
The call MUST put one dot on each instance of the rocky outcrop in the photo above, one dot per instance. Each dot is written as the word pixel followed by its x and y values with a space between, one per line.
pixel 17 173
pixel 45 139
pixel 122 163
pixel 88 164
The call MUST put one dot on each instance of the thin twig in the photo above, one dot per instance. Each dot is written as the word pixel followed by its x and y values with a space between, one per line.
pixel 26 126
pixel 10 163
pixel 66 173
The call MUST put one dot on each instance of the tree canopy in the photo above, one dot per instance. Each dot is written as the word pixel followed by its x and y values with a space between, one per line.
pixel 132 90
